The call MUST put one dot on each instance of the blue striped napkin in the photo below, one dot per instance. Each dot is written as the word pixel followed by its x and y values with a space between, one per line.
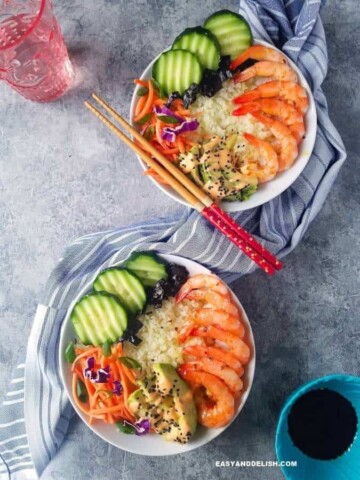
pixel 35 413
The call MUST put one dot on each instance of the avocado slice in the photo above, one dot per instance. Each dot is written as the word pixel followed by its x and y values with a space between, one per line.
pixel 168 402
pixel 188 161
pixel 196 177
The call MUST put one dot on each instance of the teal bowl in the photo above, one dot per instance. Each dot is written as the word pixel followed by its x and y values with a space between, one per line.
pixel 345 467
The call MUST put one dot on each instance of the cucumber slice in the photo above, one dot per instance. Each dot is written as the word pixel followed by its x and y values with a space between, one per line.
pixel 99 317
pixel 202 43
pixel 148 267
pixel 124 285
pixel 176 70
pixel 232 31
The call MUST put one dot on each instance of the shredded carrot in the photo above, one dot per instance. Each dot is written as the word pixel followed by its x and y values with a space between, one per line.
pixel 87 353
pixel 151 173
pixel 140 105
pixel 148 105
pixel 181 144
pixel 142 83
pixel 102 403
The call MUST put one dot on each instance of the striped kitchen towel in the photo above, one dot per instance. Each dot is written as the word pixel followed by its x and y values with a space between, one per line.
pixel 35 415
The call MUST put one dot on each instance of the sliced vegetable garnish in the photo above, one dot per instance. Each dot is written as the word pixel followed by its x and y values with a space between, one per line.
pixel 107 348
pixel 170 133
pixel 147 266
pixel 118 388
pixel 166 112
pixel 144 119
pixel 125 285
pixel 142 91
pixel 202 43
pixel 231 30
pixel 141 427
pixel 157 88
pixel 176 70
pixel 125 427
pixel 130 362
pixel 101 375
pixel 99 317
pixel 168 119
pixel 70 354
pixel 149 132
pixel 81 391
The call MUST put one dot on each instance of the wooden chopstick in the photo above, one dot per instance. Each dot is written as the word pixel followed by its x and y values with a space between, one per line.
pixel 203 204
pixel 191 186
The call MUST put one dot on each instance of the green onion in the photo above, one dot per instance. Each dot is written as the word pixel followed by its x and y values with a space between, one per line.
pixel 81 391
pixel 130 362
pixel 142 91
pixel 107 348
pixel 168 119
pixel 125 428
pixel 70 354
pixel 149 133
pixel 145 119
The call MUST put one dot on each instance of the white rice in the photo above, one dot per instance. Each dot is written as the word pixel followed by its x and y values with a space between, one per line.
pixel 159 334
pixel 215 113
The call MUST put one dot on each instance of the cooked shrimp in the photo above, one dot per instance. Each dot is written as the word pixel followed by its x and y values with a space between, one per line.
pixel 219 354
pixel 282 111
pixel 287 142
pixel 265 166
pixel 215 299
pixel 209 316
pixel 219 369
pixel 234 343
pixel 224 320
pixel 202 281
pixel 258 52
pixel 265 68
pixel 291 92
pixel 214 401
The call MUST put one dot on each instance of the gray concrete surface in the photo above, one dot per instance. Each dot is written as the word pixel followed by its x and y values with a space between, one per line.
pixel 62 175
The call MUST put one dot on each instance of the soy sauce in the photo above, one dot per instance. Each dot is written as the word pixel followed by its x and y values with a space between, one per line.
pixel 322 424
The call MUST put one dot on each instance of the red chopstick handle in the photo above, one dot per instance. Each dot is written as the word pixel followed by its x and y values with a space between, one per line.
pixel 229 233
pixel 249 239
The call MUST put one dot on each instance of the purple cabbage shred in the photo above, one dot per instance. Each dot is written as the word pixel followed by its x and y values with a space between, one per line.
pixel 169 113
pixel 118 388
pixel 100 376
pixel 142 426
pixel 169 133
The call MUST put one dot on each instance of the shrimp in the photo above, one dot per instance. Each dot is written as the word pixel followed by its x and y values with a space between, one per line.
pixel 208 316
pixel 214 299
pixel 217 353
pixel 234 343
pixel 287 142
pixel 291 92
pixel 224 320
pixel 282 111
pixel 214 401
pixel 219 369
pixel 265 68
pixel 258 52
pixel 266 165
pixel 202 281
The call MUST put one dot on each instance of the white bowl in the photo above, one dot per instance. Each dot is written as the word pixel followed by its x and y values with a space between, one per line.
pixel 152 444
pixel 282 181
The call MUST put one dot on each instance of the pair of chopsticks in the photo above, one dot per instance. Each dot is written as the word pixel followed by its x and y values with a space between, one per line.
pixel 190 192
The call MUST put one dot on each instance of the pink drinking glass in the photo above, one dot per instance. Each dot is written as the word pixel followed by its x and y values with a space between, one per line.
pixel 33 55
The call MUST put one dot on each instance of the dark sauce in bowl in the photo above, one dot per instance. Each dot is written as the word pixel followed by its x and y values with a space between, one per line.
pixel 322 424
